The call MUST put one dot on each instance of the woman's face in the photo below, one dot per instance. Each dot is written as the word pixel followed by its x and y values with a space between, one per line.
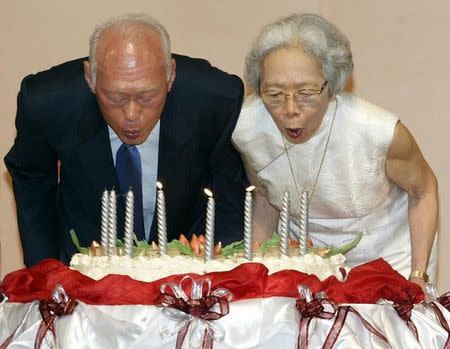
pixel 294 92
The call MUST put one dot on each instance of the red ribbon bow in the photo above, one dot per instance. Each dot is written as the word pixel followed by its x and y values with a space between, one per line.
pixel 205 307
pixel 59 305
pixel 310 307
pixel 315 308
pixel 200 308
pixel 445 300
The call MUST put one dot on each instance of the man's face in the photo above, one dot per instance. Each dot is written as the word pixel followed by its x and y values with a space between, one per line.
pixel 131 85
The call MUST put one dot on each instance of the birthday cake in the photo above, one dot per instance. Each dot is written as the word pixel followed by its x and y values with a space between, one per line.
pixel 149 269
pixel 253 305
pixel 186 257
pixel 245 308
pixel 192 294
pixel 148 263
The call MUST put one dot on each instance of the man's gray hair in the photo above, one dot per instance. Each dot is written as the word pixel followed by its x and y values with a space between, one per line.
pixel 128 24
pixel 320 39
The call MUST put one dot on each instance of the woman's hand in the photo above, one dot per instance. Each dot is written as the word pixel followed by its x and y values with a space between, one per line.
pixel 421 282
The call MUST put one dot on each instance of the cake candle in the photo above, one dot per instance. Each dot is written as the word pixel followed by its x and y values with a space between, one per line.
pixel 162 224
pixel 304 217
pixel 248 223
pixel 284 222
pixel 129 223
pixel 209 229
pixel 112 225
pixel 105 221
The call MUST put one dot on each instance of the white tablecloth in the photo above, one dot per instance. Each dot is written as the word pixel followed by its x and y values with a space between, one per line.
pixel 256 323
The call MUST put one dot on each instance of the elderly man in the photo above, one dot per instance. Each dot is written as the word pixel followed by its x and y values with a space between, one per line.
pixel 132 115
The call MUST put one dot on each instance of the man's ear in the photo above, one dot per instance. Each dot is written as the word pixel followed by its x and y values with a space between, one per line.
pixel 173 68
pixel 87 75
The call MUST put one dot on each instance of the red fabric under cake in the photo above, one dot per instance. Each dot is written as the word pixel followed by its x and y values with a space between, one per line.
pixel 365 284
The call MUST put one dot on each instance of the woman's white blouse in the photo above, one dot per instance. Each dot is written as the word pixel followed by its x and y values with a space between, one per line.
pixel 352 194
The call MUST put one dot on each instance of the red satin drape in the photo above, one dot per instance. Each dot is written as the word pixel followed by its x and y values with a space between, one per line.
pixel 365 284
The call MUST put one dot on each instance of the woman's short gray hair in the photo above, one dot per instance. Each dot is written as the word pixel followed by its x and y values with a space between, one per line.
pixel 320 39
pixel 128 24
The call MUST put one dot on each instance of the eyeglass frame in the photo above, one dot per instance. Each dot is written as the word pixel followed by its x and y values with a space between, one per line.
pixel 286 95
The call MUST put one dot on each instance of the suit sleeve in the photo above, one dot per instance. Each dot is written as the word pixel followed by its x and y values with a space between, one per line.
pixel 228 174
pixel 33 167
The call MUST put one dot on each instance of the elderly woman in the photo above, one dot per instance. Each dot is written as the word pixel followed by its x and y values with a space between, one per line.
pixel 360 165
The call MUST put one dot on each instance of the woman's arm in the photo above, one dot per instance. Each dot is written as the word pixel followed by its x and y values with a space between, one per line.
pixel 406 167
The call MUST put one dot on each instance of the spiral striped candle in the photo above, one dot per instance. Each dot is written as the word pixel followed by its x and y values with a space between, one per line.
pixel 129 223
pixel 248 223
pixel 284 225
pixel 105 220
pixel 304 217
pixel 161 215
pixel 209 229
pixel 112 225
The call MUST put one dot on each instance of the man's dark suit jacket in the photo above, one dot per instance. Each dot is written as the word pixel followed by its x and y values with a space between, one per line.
pixel 58 122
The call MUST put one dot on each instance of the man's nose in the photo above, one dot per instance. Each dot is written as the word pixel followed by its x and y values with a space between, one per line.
pixel 132 111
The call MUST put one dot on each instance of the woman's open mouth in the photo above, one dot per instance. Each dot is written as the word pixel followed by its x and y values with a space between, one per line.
pixel 294 132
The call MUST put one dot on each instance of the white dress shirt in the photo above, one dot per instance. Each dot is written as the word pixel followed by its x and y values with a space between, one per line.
pixel 149 159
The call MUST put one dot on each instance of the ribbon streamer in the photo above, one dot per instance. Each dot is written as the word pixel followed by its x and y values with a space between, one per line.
pixel 308 310
pixel 442 320
pixel 50 309
pixel 8 340
pixel 404 307
pixel 195 314
pixel 310 307
pixel 339 323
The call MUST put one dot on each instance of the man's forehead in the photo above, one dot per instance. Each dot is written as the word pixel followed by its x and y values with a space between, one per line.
pixel 115 43
pixel 131 57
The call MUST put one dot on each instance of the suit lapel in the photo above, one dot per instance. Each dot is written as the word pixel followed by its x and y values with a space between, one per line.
pixel 94 151
pixel 178 130
pixel 174 134
pixel 95 157
pixel 166 143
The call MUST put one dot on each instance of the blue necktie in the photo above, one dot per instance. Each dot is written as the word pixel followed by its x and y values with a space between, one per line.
pixel 129 175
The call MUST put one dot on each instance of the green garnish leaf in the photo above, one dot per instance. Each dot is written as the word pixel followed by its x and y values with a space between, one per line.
pixel 75 241
pixel 183 249
pixel 273 242
pixel 343 249
pixel 233 248
pixel 142 243
pixel 333 250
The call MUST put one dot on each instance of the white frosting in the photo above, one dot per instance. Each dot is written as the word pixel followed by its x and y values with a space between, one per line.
pixel 148 269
